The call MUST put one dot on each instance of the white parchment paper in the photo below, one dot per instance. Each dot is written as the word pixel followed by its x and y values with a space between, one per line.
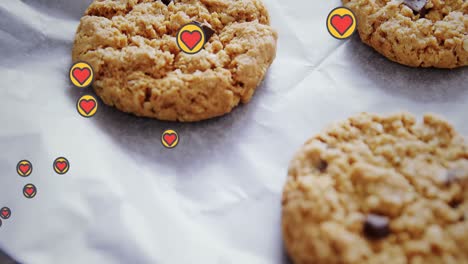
pixel 215 198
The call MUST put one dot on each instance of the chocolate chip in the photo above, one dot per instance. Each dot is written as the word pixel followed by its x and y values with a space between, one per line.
pixel 376 226
pixel 455 203
pixel 417 6
pixel 196 23
pixel 208 32
pixel 322 166
pixel 450 177
pixel 206 29
pixel 423 13
pixel 166 2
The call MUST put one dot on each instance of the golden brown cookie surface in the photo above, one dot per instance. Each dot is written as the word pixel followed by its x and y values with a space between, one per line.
pixel 139 68
pixel 379 189
pixel 417 33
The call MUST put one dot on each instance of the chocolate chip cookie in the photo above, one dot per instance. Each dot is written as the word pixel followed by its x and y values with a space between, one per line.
pixel 379 189
pixel 417 33
pixel 139 68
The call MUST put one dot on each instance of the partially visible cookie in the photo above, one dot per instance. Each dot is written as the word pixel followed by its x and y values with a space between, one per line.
pixel 139 68
pixel 379 189
pixel 417 33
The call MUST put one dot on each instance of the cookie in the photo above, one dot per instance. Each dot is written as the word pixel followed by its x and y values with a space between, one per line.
pixel 416 33
pixel 379 189
pixel 139 68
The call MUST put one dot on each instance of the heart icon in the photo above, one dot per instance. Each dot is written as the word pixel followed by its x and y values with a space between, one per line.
pixel 81 74
pixel 5 214
pixel 61 165
pixel 29 191
pixel 24 168
pixel 341 23
pixel 191 39
pixel 87 105
pixel 170 138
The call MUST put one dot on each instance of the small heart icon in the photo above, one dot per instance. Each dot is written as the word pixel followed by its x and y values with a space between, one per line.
pixel 29 190
pixel 191 39
pixel 24 168
pixel 170 138
pixel 341 23
pixel 61 165
pixel 81 74
pixel 5 213
pixel 87 105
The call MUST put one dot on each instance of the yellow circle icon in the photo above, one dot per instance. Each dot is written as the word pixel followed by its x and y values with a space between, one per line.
pixel 81 74
pixel 87 106
pixel 61 165
pixel 170 138
pixel 24 168
pixel 341 23
pixel 29 190
pixel 191 38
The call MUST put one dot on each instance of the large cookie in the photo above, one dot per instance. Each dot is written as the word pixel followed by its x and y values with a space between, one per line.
pixel 379 189
pixel 416 33
pixel 139 68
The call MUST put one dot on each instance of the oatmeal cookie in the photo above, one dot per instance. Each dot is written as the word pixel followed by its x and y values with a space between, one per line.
pixel 379 189
pixel 139 68
pixel 417 33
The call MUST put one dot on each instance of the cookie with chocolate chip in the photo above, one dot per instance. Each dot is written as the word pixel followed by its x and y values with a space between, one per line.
pixel 379 189
pixel 139 68
pixel 417 33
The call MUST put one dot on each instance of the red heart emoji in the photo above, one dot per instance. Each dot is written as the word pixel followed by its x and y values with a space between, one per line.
pixel 191 39
pixel 341 23
pixel 81 74
pixel 29 190
pixel 87 105
pixel 61 165
pixel 24 168
pixel 5 213
pixel 170 138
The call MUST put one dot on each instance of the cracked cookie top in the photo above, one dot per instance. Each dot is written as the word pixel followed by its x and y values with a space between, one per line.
pixel 379 189
pixel 139 68
pixel 417 33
